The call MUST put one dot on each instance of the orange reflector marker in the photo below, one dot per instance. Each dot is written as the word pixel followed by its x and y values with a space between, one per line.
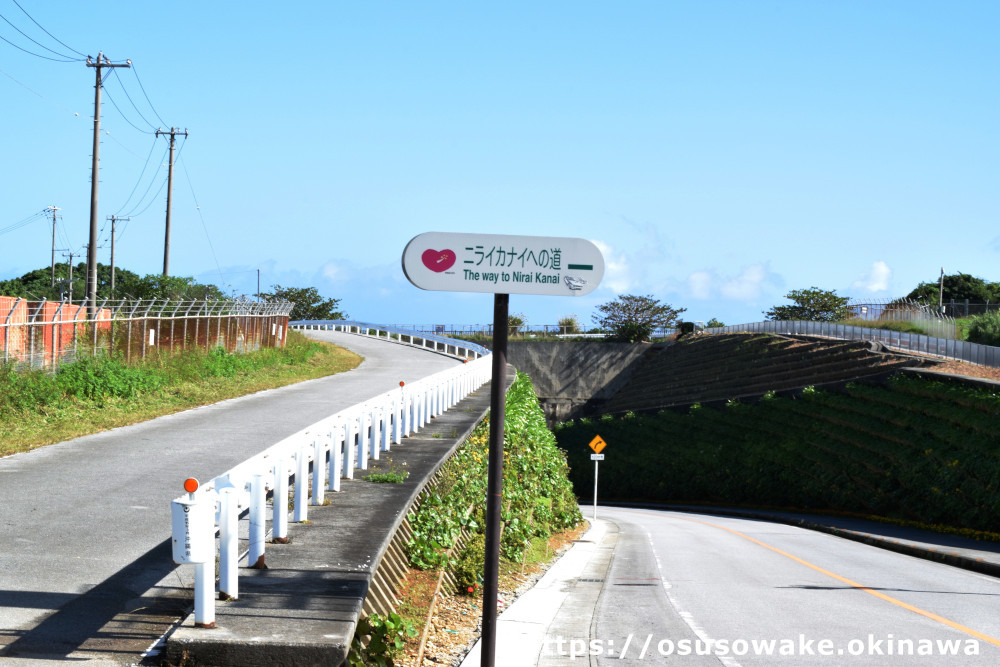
pixel 190 485
pixel 401 383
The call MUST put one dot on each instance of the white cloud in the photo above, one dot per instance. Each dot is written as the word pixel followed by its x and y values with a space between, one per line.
pixel 616 273
pixel 747 286
pixel 701 284
pixel 331 271
pixel 876 279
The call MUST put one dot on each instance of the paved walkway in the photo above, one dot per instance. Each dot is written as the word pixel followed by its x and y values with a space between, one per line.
pixel 85 526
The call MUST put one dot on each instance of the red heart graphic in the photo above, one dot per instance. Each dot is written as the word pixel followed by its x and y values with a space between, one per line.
pixel 438 260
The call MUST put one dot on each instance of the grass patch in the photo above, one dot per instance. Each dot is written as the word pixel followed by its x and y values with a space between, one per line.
pixel 388 472
pixel 39 408
pixel 891 325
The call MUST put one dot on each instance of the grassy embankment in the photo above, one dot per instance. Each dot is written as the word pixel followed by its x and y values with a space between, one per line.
pixel 39 408
pixel 538 503
pixel 915 451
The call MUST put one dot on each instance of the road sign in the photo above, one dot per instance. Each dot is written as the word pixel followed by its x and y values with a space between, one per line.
pixel 597 457
pixel 503 264
pixel 597 444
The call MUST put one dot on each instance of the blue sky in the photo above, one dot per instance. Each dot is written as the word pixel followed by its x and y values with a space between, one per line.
pixel 719 153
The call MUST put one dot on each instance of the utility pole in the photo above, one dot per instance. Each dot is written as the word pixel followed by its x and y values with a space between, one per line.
pixel 170 187
pixel 941 293
pixel 53 209
pixel 69 282
pixel 113 219
pixel 101 63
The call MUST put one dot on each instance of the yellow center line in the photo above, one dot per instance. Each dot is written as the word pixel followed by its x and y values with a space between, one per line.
pixel 854 584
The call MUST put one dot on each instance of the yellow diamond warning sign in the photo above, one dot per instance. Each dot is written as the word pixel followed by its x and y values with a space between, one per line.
pixel 597 444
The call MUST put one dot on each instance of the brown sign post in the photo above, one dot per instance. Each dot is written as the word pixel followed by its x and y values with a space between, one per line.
pixel 501 265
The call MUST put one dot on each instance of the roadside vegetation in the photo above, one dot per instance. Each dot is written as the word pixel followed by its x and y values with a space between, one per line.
pixel 915 451
pixel 538 506
pixel 38 407
pixel 537 495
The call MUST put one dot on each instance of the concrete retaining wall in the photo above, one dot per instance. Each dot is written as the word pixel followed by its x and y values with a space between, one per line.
pixel 573 379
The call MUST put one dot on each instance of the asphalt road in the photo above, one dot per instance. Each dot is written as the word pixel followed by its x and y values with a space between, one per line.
pixel 682 583
pixel 85 524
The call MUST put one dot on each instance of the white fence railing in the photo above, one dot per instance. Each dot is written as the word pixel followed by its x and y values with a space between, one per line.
pixel 974 353
pixel 335 446
pixel 425 340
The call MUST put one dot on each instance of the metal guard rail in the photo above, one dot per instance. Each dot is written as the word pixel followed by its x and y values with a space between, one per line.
pixel 364 328
pixel 335 445
pixel 974 353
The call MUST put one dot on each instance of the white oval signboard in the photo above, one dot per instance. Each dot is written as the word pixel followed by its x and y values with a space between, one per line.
pixel 503 264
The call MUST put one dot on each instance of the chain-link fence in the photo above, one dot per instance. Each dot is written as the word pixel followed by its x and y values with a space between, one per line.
pixel 975 353
pixel 43 334
pixel 930 320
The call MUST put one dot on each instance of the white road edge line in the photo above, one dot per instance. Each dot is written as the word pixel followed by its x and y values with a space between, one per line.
pixel 686 616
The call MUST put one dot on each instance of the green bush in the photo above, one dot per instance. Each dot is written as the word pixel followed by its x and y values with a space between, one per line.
pixel 105 377
pixel 22 391
pixel 985 329
pixel 101 377
pixel 386 640
pixel 469 566
pixel 537 495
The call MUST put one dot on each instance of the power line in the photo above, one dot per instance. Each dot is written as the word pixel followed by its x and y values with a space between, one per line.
pixel 108 135
pixel 202 218
pixel 23 223
pixel 38 55
pixel 133 214
pixel 141 174
pixel 115 104
pixel 82 55
pixel 143 89
pixel 36 43
pixel 122 84
pixel 32 90
pixel 152 180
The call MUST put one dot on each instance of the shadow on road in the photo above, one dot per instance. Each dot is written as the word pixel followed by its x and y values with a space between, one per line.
pixel 111 617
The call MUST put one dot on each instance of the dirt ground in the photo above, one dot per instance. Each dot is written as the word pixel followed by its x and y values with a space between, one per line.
pixel 454 625
pixel 972 370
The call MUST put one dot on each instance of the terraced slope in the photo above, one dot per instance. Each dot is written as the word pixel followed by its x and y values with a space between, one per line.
pixel 722 367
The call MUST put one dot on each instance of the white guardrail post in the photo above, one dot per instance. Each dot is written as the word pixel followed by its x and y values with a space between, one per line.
pixel 301 512
pixel 258 517
pixel 279 500
pixel 319 470
pixel 229 554
pixel 349 437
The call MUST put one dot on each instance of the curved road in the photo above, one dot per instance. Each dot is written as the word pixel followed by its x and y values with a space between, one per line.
pixel 677 584
pixel 85 524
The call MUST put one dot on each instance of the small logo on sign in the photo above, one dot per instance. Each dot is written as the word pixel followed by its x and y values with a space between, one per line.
pixel 438 260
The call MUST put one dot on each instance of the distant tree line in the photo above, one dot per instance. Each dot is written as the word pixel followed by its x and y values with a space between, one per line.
pixel 37 285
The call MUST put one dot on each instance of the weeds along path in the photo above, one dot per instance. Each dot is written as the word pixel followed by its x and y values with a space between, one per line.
pixel 86 522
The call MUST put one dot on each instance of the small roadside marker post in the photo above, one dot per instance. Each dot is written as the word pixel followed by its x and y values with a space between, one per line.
pixel 597 444
pixel 500 265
